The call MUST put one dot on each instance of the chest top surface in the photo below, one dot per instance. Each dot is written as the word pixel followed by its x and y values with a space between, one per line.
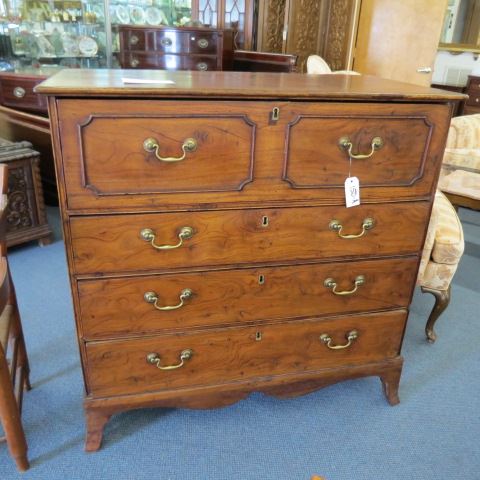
pixel 182 84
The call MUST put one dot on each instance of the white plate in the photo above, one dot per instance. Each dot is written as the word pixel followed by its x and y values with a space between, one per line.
pixel 137 15
pixel 70 45
pixel 87 46
pixel 122 14
pixel 155 16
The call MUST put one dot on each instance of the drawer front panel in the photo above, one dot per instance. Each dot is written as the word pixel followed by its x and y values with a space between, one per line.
pixel 474 98
pixel 115 307
pixel 220 356
pixel 176 148
pixel 115 243
pixel 241 155
pixel 392 146
pixel 19 94
pixel 169 62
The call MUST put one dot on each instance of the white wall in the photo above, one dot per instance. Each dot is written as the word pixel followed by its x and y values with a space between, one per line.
pixel 453 69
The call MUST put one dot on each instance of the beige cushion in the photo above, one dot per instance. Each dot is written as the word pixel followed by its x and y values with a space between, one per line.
pixel 464 132
pixel 459 182
pixel 444 245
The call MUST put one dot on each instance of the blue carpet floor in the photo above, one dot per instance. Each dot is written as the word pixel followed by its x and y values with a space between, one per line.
pixel 343 432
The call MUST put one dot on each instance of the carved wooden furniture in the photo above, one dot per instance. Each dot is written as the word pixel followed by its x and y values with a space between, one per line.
pixel 16 91
pixel 209 248
pixel 25 216
pixel 175 48
pixel 442 252
pixel 24 116
pixel 472 104
pixel 308 27
pixel 235 14
pixel 460 174
pixel 246 61
pixel 14 368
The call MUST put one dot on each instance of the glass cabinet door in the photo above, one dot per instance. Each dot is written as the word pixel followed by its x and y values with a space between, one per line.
pixel 56 33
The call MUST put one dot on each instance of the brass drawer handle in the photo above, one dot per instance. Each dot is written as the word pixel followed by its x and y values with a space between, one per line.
pixel 202 66
pixel 19 92
pixel 203 43
pixel 346 144
pixel 152 297
pixel 166 42
pixel 327 340
pixel 134 63
pixel 151 145
pixel 154 359
pixel 134 40
pixel 335 225
pixel 330 283
pixel 149 236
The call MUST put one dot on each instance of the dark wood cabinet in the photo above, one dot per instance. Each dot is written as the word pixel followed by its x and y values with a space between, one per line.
pixel 472 104
pixel 175 48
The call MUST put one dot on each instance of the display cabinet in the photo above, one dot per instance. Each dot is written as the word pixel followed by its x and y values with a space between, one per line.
pixel 77 33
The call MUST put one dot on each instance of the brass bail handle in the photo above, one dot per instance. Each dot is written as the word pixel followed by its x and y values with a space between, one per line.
pixel 367 224
pixel 332 284
pixel 327 340
pixel 152 297
pixel 154 359
pixel 346 144
pixel 151 145
pixel 149 236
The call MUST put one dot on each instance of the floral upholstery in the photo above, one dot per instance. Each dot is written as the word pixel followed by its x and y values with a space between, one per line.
pixel 461 163
pixel 443 247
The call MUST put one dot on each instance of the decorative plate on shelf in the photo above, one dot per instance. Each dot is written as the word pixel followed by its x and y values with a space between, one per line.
pixel 155 16
pixel 137 15
pixel 122 14
pixel 88 46
pixel 70 45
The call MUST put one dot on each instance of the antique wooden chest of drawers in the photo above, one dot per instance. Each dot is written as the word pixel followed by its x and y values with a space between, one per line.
pixel 175 48
pixel 210 250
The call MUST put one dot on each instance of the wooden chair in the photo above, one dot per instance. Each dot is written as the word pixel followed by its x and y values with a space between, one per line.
pixel 14 368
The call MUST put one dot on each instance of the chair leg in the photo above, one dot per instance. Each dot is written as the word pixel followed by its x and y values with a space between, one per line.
pixel 10 417
pixel 442 299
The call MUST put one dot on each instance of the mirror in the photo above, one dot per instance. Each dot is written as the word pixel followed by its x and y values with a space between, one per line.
pixel 461 26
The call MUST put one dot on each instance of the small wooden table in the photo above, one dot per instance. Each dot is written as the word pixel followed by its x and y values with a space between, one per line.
pixel 26 219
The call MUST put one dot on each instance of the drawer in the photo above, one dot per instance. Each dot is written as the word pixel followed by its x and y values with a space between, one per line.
pixel 234 354
pixel 176 148
pixel 123 243
pixel 474 98
pixel 132 305
pixel 240 155
pixel 18 93
pixel 382 147
pixel 169 41
pixel 169 62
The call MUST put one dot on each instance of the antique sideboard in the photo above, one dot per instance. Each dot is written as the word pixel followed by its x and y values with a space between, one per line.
pixel 210 250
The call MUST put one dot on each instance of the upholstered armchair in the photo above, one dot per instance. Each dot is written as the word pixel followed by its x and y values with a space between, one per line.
pixel 460 176
pixel 443 249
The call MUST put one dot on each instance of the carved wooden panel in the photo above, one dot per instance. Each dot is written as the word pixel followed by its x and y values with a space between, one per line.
pixel 21 207
pixel 339 30
pixel 271 25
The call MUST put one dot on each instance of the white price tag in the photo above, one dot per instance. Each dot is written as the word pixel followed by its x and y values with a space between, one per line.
pixel 352 192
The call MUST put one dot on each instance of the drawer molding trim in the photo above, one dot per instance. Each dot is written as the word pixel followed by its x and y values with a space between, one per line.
pixel 287 177
pixel 88 184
